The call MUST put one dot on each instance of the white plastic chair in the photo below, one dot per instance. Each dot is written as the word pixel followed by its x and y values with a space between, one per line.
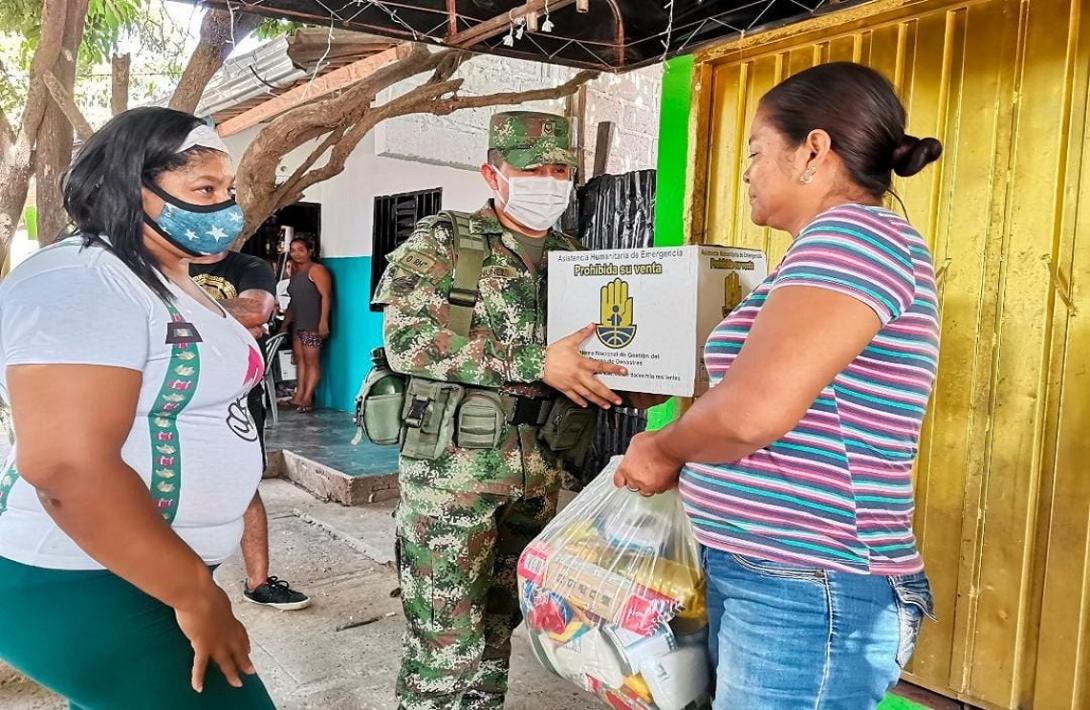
pixel 272 347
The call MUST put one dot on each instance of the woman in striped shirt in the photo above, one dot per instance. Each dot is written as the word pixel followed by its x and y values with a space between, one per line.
pixel 796 467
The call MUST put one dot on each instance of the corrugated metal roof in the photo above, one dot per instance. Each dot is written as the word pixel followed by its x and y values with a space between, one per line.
pixel 278 65
pixel 613 35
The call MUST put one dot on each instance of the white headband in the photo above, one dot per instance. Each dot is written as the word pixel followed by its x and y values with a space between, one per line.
pixel 205 136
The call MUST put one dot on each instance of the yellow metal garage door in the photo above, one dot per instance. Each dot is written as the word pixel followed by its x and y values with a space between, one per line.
pixel 1003 483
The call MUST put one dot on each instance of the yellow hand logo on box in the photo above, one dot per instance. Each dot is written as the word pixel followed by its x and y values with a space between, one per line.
pixel 732 293
pixel 616 329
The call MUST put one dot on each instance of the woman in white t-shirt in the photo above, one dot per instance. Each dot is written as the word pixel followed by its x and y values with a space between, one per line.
pixel 135 456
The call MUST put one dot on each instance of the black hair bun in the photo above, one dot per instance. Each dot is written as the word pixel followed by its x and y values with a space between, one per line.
pixel 913 154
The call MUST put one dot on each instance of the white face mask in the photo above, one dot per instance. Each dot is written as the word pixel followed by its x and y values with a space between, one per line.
pixel 536 202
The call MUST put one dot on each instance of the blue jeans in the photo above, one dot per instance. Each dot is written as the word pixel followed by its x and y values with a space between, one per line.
pixel 789 638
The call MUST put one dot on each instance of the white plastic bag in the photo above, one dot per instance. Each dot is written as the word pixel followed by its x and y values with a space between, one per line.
pixel 613 595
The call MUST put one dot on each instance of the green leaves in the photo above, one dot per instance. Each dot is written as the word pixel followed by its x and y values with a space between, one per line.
pixel 30 219
pixel 274 27
pixel 107 22
pixel 21 17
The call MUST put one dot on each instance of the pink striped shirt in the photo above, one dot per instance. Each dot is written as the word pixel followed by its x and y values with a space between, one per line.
pixel 836 491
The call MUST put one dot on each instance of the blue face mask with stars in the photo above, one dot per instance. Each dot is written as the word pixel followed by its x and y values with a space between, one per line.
pixel 198 230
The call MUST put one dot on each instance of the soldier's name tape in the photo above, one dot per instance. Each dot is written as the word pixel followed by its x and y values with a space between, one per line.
pixel 417 263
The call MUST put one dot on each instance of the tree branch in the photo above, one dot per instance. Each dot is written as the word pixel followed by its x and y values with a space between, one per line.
pixel 54 14
pixel 448 65
pixel 57 132
pixel 218 37
pixel 256 175
pixel 333 111
pixel 68 107
pixel 7 135
pixel 17 161
pixel 346 118
pixel 442 107
pixel 120 65
pixel 333 138
pixel 258 192
pixel 415 101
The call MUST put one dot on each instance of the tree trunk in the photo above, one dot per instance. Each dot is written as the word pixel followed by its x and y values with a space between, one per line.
pixel 55 138
pixel 119 76
pixel 13 191
pixel 17 161
pixel 218 38
pixel 54 155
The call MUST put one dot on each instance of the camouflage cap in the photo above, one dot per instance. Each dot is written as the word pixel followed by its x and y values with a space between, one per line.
pixel 528 139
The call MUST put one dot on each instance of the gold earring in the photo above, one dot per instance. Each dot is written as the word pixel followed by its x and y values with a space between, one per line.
pixel 808 176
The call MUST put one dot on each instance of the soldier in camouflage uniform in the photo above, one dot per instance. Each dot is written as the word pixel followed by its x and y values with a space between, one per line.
pixel 464 519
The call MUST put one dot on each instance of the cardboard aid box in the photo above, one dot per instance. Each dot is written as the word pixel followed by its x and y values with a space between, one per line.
pixel 654 308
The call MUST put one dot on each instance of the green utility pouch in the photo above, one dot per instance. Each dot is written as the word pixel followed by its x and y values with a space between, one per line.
pixel 481 420
pixel 379 403
pixel 428 418
pixel 568 427
pixel 576 456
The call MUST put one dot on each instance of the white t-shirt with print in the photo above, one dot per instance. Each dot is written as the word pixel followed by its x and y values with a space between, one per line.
pixel 193 441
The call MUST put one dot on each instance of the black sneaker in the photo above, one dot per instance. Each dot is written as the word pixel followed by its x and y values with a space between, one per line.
pixel 277 594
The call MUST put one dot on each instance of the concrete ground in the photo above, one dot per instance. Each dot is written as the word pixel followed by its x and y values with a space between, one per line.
pixel 342 557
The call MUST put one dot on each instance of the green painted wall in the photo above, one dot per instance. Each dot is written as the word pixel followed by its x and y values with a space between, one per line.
pixel 677 92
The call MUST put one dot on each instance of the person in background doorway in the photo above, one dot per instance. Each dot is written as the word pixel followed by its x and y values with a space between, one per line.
pixel 311 294
pixel 796 467
pixel 133 462
pixel 243 285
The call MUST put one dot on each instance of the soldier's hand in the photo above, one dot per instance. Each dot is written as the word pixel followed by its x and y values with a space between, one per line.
pixel 568 371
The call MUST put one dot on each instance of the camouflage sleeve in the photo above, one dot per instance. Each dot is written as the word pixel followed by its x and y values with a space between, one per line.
pixel 414 289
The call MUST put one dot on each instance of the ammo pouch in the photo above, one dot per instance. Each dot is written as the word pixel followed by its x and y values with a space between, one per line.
pixel 379 403
pixel 569 431
pixel 428 418
pixel 481 420
pixel 485 416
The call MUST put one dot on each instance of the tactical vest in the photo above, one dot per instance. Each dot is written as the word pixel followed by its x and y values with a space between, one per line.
pixel 470 251
pixel 424 417
pixel 380 400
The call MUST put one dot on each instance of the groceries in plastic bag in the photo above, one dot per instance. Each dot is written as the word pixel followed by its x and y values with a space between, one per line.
pixel 613 595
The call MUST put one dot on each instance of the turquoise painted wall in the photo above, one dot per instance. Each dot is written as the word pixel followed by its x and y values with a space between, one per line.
pixel 677 81
pixel 355 331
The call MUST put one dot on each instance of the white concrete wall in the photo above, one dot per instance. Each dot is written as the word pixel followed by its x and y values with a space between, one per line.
pixel 630 100
pixel 348 200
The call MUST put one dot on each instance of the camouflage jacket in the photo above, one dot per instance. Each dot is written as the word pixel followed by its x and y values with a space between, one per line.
pixel 505 348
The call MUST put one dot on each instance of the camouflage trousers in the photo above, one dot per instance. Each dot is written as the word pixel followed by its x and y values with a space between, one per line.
pixel 458 554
